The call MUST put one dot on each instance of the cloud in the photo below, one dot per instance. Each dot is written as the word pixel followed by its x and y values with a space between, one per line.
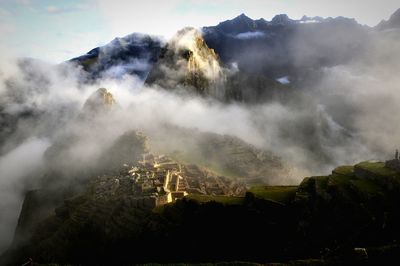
pixel 15 166
pixel 284 80
pixel 250 35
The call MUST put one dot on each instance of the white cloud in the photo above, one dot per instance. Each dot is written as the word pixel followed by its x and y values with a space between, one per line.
pixel 250 35
pixel 284 80
pixel 14 167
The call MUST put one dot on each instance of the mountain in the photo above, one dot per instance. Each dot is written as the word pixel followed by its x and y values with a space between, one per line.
pixel 100 100
pixel 133 54
pixel 286 47
pixel 222 154
pixel 188 64
pixel 392 23
pixel 272 50
pixel 188 61
pixel 241 49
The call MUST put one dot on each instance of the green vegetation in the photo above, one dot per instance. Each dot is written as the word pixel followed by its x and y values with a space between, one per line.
pixel 349 206
pixel 366 186
pixel 339 179
pixel 347 170
pixel 220 199
pixel 377 168
pixel 282 194
pixel 321 182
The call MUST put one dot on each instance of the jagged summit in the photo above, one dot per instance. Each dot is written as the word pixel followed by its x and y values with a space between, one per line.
pixel 186 61
pixel 281 19
pixel 241 23
pixel 100 100
pixel 242 16
pixel 194 59
pixel 392 23
pixel 395 16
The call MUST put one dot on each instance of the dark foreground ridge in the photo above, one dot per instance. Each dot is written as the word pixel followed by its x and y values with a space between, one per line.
pixel 350 216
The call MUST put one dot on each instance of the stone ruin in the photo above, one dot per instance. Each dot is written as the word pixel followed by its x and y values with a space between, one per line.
pixel 395 163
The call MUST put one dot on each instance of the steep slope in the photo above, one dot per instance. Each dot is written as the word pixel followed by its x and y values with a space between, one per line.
pixel 100 100
pixel 392 23
pixel 357 203
pixel 188 62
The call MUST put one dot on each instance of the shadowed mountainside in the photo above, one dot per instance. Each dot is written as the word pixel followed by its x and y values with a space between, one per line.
pixel 349 216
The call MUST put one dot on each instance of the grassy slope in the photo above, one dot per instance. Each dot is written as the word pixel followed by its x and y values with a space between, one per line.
pixel 341 177
pixel 220 199
pixel 282 194
pixel 378 168
pixel 344 177
pixel 346 170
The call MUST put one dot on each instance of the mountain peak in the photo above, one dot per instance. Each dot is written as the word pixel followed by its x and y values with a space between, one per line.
pixel 396 15
pixel 241 23
pixel 242 16
pixel 242 19
pixel 101 99
pixel 187 61
pixel 281 19
pixel 392 23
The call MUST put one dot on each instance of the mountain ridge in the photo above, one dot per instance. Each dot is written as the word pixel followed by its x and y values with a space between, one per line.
pixel 271 49
pixel 392 23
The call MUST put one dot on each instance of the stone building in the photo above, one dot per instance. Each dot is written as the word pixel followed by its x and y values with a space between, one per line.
pixel 395 163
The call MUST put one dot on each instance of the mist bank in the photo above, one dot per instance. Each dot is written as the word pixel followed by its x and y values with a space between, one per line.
pixel 337 119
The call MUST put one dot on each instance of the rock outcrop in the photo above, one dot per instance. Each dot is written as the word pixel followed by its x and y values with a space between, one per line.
pixel 188 62
pixel 100 100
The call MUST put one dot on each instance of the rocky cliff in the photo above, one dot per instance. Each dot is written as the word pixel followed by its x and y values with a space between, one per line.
pixel 188 62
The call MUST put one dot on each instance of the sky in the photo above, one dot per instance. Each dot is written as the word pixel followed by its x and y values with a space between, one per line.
pixel 57 30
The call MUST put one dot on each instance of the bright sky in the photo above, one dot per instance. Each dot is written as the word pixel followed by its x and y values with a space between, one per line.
pixel 57 30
